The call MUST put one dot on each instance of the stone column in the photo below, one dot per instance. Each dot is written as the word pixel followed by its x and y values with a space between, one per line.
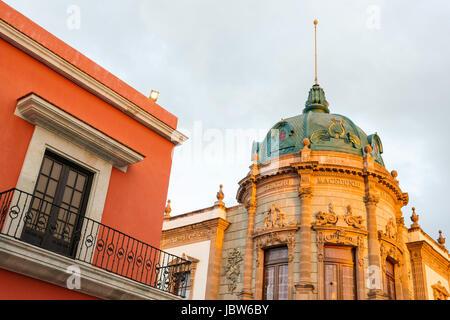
pixel 215 260
pixel 371 199
pixel 304 287
pixel 375 276
pixel 403 270
pixel 247 292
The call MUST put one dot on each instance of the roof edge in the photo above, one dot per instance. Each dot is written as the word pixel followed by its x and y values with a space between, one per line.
pixel 32 39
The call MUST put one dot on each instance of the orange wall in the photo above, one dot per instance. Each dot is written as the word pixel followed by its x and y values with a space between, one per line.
pixel 14 286
pixel 48 40
pixel 135 199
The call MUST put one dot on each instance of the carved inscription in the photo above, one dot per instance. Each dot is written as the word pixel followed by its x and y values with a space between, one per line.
pixel 186 235
pixel 279 185
pixel 338 181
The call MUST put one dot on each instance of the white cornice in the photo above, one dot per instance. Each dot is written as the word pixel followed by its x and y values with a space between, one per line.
pixel 42 113
pixel 34 262
pixel 63 67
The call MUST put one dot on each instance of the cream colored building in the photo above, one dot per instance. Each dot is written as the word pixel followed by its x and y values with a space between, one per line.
pixel 319 217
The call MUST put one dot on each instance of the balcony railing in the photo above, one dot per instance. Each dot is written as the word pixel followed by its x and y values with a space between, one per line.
pixel 41 223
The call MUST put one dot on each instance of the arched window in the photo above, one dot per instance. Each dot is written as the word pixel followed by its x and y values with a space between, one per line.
pixel 276 274
pixel 339 264
pixel 390 280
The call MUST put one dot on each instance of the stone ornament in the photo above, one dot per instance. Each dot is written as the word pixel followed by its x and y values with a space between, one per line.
pixel 389 250
pixel 276 218
pixel 327 218
pixel 439 291
pixel 233 268
pixel 331 218
pixel 351 220
pixel 441 239
pixel 168 210
pixel 220 194
pixel 278 229
pixel 390 230
pixel 414 219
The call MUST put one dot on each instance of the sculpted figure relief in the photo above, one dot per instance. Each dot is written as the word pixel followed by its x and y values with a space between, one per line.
pixel 391 229
pixel 276 218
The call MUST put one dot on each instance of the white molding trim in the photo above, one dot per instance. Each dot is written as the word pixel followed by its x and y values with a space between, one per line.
pixel 35 262
pixel 87 82
pixel 44 114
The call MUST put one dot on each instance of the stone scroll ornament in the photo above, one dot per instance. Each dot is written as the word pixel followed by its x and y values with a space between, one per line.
pixel 327 218
pixel 331 218
pixel 351 220
pixel 233 269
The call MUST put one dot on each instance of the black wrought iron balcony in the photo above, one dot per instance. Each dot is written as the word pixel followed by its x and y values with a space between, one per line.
pixel 30 219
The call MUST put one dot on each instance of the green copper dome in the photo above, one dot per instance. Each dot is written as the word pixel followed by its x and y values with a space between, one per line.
pixel 327 132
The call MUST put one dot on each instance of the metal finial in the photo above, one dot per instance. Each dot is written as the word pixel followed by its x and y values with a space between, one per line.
pixel 315 42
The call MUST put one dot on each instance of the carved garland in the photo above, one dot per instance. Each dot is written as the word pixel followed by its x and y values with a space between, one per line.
pixel 233 269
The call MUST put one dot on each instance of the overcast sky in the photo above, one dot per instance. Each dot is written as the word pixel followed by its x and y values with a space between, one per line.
pixel 231 69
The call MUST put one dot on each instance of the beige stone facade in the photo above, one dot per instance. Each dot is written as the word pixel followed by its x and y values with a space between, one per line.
pixel 306 201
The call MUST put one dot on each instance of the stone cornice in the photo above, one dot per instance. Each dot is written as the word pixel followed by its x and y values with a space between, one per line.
pixel 40 112
pixel 87 82
pixel 419 229
pixel 360 232
pixel 262 232
pixel 197 232
pixel 429 256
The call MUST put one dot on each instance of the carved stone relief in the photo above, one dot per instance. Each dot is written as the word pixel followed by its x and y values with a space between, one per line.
pixel 439 291
pixel 331 218
pixel 233 268
pixel 278 230
pixel 327 218
pixel 390 230
pixel 351 220
pixel 276 219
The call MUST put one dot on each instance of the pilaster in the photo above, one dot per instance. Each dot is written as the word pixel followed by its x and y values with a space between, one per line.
pixel 304 288
pixel 247 292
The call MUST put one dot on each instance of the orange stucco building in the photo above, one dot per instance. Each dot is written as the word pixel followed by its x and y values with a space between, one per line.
pixel 85 162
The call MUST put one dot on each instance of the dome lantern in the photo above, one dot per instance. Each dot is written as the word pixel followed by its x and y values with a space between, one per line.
pixel 316 100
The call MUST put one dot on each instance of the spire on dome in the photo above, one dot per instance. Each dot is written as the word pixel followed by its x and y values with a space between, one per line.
pixel 316 100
